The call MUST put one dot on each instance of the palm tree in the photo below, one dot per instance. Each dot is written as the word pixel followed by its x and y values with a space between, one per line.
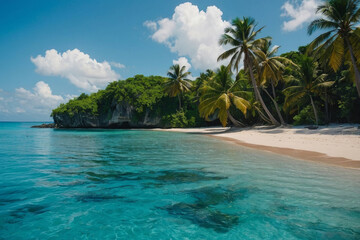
pixel 242 37
pixel 309 83
pixel 270 70
pixel 343 38
pixel 177 82
pixel 219 94
pixel 202 80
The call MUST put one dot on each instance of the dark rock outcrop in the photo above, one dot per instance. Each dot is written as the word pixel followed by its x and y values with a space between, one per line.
pixel 121 115
pixel 45 125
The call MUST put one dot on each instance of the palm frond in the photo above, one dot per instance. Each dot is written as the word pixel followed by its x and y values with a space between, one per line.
pixel 321 23
pixel 227 53
pixel 240 103
pixel 317 41
pixel 337 53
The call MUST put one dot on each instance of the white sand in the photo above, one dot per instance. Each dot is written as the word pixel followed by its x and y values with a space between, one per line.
pixel 341 141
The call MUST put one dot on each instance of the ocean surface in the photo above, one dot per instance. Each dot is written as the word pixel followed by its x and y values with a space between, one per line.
pixel 134 184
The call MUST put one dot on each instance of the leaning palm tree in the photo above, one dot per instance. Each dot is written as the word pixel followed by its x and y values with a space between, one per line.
pixel 219 94
pixel 340 17
pixel 241 36
pixel 177 82
pixel 270 70
pixel 309 83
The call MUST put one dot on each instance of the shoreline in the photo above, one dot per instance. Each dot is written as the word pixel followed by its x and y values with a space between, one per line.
pixel 337 145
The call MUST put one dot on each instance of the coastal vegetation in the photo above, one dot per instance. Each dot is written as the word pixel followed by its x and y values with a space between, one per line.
pixel 242 37
pixel 220 93
pixel 309 83
pixel 342 41
pixel 317 84
pixel 177 83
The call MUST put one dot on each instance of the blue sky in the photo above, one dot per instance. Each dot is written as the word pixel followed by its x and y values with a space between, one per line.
pixel 52 51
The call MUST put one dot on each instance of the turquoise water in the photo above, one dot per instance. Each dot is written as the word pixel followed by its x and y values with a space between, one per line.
pixel 123 184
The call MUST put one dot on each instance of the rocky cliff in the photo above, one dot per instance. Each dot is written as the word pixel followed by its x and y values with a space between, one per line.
pixel 120 115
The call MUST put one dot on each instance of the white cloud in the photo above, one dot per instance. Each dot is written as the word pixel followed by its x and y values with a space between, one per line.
pixel 299 13
pixel 151 25
pixel 183 61
pixel 36 103
pixel 117 65
pixel 78 67
pixel 192 33
pixel 41 98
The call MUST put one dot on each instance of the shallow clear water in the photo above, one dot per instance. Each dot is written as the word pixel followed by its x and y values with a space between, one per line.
pixel 123 184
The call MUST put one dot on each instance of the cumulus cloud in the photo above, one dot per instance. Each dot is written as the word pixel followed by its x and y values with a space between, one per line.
pixel 41 97
pixel 183 61
pixel 192 33
pixel 117 65
pixel 299 13
pixel 82 71
pixel 36 103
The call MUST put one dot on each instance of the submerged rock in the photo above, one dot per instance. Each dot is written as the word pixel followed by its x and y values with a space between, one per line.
pixel 96 197
pixel 21 212
pixel 218 195
pixel 176 177
pixel 120 176
pixel 203 216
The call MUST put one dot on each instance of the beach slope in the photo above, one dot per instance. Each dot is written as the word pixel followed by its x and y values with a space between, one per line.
pixel 333 144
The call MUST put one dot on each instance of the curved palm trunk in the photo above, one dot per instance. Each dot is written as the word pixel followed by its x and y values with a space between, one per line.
pixel 326 108
pixel 353 61
pixel 315 112
pixel 276 105
pixel 262 116
pixel 234 121
pixel 256 89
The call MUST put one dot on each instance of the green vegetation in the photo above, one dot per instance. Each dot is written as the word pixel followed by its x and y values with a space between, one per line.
pixel 177 84
pixel 178 120
pixel 309 83
pixel 271 69
pixel 343 39
pixel 82 104
pixel 140 92
pixel 242 37
pixel 145 95
pixel 318 84
pixel 220 93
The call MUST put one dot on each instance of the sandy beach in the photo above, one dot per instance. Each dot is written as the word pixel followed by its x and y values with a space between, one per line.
pixel 334 144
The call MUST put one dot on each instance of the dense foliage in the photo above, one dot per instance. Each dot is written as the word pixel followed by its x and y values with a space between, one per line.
pixel 142 93
pixel 338 103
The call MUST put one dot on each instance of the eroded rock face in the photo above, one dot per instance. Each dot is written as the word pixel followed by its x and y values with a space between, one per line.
pixel 121 115
pixel 80 120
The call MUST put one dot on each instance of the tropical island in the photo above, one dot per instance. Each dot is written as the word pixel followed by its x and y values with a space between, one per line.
pixel 318 84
